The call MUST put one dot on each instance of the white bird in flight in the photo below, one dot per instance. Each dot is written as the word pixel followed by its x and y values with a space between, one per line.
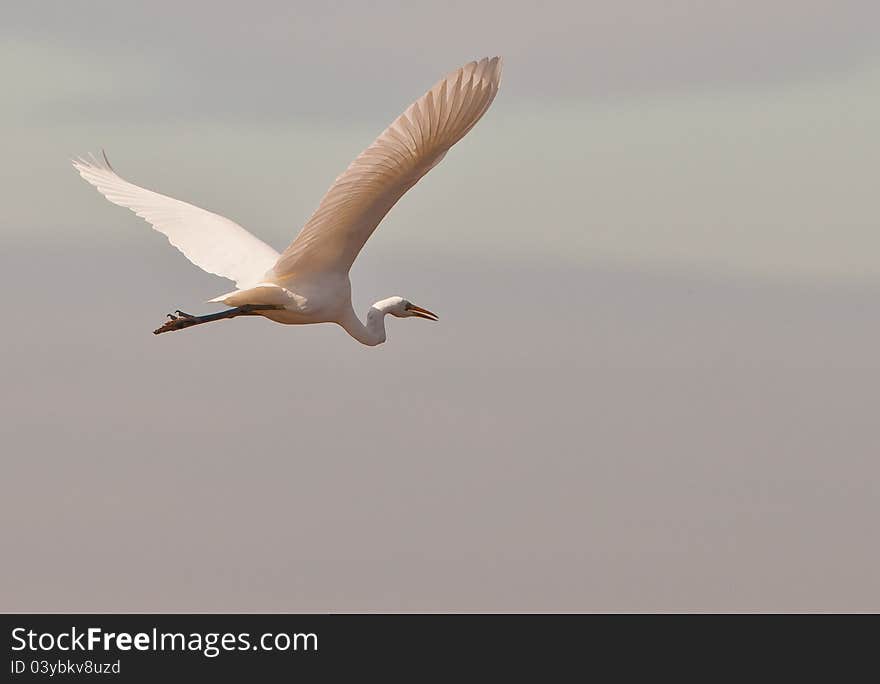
pixel 309 281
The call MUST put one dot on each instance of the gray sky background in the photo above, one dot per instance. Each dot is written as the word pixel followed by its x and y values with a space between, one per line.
pixel 656 261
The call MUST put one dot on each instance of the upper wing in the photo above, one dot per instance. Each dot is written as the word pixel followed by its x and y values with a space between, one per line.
pixel 372 184
pixel 212 242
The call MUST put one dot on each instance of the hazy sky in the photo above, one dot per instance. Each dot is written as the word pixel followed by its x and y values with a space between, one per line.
pixel 656 262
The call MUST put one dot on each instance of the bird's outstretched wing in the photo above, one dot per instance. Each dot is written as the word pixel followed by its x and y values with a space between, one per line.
pixel 213 243
pixel 416 142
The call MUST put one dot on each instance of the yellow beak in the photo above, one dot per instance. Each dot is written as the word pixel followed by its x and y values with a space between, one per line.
pixel 422 313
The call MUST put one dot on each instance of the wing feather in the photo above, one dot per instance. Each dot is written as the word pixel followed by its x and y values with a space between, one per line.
pixel 212 242
pixel 410 147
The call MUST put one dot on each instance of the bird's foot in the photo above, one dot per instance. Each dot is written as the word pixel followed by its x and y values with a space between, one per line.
pixel 176 322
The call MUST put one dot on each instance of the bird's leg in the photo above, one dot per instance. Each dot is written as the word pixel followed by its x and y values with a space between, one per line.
pixel 184 320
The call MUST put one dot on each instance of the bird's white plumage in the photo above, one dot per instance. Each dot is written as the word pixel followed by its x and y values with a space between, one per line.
pixel 308 282
pixel 212 242
pixel 410 147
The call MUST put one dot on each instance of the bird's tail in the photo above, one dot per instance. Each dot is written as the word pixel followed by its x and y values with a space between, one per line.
pixel 262 294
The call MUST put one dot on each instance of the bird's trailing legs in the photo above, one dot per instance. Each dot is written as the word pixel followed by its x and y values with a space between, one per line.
pixel 180 320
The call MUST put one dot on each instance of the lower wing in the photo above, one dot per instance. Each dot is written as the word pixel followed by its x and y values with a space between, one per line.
pixel 213 243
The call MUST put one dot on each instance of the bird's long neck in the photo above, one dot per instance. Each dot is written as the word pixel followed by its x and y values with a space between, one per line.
pixel 373 332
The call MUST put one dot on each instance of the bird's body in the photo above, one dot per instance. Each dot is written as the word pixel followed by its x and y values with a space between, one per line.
pixel 309 281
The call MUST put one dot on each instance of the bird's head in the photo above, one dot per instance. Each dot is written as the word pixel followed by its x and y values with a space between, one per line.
pixel 402 308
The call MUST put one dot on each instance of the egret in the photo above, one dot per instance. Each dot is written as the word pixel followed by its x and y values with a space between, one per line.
pixel 309 281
